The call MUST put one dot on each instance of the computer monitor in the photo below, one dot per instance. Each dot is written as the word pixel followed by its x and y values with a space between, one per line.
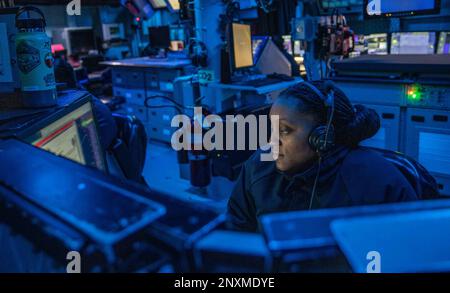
pixel 113 31
pixel 287 44
pixel 158 4
pixel 390 8
pixel 360 46
pixel 377 44
pixel 80 40
pixel 159 37
pixel 242 52
pixel 373 44
pixel 273 60
pixel 173 5
pixel 298 50
pixel 444 43
pixel 258 44
pixel 413 43
pixel 73 136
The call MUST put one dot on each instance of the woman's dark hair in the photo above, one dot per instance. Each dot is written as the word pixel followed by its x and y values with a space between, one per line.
pixel 352 124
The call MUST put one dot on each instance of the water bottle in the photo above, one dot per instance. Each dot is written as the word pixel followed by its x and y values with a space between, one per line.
pixel 35 60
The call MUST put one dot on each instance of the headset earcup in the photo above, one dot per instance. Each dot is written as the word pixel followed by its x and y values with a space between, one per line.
pixel 314 138
pixel 200 59
pixel 318 139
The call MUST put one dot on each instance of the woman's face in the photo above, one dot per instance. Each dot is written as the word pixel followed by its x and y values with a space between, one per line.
pixel 295 153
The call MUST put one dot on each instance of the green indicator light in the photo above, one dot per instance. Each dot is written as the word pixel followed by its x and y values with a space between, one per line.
pixel 414 96
pixel 414 93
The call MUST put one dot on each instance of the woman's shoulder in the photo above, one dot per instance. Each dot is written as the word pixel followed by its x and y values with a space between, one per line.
pixel 373 179
pixel 370 163
pixel 371 160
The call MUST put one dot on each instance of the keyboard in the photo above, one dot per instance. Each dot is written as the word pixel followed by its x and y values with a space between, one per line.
pixel 264 81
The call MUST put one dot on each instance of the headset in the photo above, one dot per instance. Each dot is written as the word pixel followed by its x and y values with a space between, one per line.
pixel 199 59
pixel 322 137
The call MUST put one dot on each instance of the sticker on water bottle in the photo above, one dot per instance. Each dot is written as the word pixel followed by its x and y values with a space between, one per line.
pixel 28 57
pixel 35 62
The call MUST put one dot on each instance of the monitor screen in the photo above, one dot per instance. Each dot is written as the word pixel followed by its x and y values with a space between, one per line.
pixel 373 44
pixel 159 37
pixel 444 43
pixel 242 45
pixel 74 136
pixel 400 7
pixel 360 46
pixel 81 40
pixel 376 44
pixel 113 31
pixel 258 44
pixel 174 5
pixel 298 50
pixel 287 44
pixel 158 4
pixel 413 43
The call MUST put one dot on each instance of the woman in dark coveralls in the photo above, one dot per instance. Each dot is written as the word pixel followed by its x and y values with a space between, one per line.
pixel 312 174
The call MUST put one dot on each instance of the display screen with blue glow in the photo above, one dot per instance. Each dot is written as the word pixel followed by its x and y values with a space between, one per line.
pixel 287 44
pixel 400 7
pixel 374 44
pixel 444 43
pixel 413 43
pixel 258 43
pixel 74 136
pixel 390 6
